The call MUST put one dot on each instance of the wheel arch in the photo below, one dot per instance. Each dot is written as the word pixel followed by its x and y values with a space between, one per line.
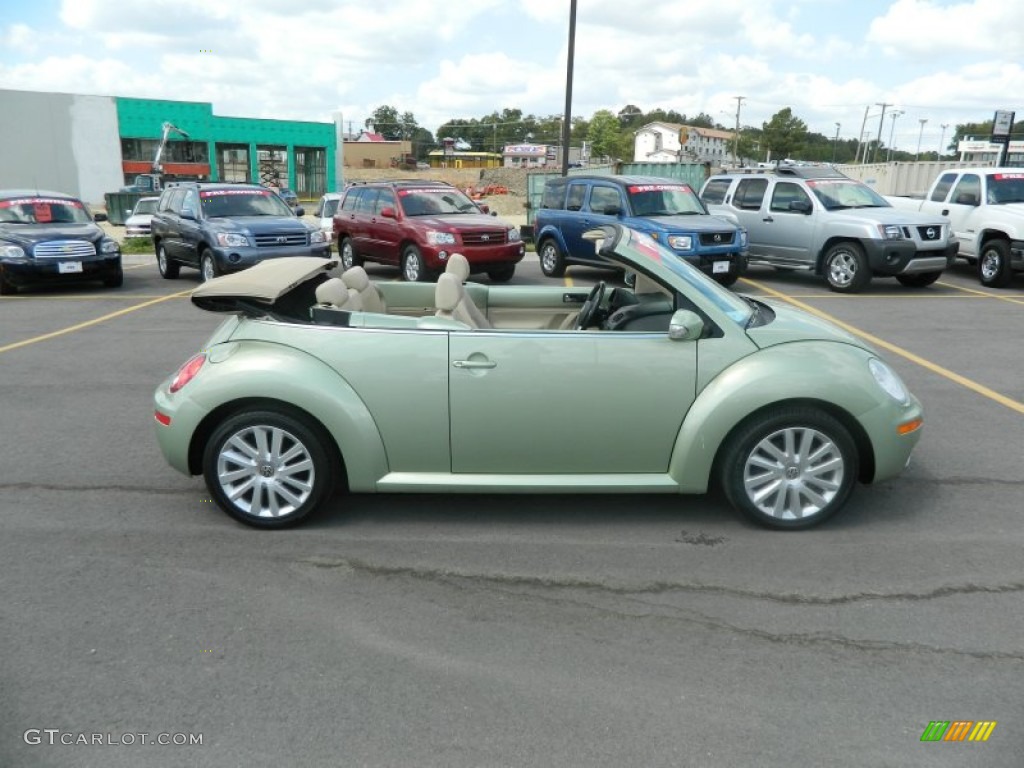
pixel 819 261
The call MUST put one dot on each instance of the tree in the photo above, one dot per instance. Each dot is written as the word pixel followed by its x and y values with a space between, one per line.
pixel 604 134
pixel 384 120
pixel 784 134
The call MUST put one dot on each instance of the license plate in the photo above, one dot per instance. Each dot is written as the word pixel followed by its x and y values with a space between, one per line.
pixel 719 266
pixel 69 267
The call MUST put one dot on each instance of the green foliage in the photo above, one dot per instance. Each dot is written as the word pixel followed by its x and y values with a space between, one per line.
pixel 785 134
pixel 604 134
pixel 137 245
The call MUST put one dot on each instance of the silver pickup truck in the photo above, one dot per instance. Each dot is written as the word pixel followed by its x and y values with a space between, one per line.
pixel 986 209
pixel 815 218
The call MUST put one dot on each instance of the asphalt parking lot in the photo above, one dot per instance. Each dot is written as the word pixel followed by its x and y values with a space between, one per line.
pixel 502 631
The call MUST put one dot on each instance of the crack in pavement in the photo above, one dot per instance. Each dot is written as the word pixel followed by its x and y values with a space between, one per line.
pixel 90 488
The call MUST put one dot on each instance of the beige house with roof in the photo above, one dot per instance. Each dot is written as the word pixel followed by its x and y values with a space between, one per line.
pixel 660 143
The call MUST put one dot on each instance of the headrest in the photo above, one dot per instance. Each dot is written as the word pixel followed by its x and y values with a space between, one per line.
pixel 356 277
pixel 458 265
pixel 333 292
pixel 448 292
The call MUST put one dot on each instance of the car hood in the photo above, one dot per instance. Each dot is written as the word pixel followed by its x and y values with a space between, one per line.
pixel 139 219
pixel 259 225
pixel 794 324
pixel 694 223
pixel 463 221
pixel 888 216
pixel 29 234
pixel 261 284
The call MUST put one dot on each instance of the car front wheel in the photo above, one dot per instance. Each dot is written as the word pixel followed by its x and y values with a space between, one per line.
pixel 791 467
pixel 349 257
pixel 267 469
pixel 413 268
pixel 168 269
pixel 846 268
pixel 502 274
pixel 552 263
pixel 994 269
pixel 208 266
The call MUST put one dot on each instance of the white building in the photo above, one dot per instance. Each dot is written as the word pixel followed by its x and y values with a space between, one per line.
pixel 660 143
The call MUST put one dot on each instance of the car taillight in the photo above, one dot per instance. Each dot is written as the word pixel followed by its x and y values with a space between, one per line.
pixel 187 372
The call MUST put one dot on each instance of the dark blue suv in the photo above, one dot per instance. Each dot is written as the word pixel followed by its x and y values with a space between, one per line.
pixel 666 209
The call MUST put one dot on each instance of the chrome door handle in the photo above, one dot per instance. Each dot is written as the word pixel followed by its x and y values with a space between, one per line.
pixel 474 364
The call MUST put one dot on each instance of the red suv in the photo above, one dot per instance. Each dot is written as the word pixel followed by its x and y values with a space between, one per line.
pixel 417 225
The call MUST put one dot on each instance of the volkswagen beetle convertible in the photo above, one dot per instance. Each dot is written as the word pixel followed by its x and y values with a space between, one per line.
pixel 316 383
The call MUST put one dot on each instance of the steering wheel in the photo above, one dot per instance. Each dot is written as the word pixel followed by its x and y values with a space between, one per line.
pixel 590 306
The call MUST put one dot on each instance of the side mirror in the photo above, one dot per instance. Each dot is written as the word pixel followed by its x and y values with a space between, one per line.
pixel 300 211
pixel 800 206
pixel 967 198
pixel 685 325
pixel 388 212
pixel 103 216
pixel 484 208
pixel 612 210
pixel 188 213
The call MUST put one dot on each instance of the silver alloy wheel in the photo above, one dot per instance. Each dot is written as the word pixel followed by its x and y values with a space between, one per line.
pixel 412 266
pixel 348 255
pixel 549 258
pixel 793 473
pixel 265 471
pixel 842 269
pixel 161 260
pixel 989 264
pixel 209 271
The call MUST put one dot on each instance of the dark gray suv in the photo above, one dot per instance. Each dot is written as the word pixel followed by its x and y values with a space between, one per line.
pixel 220 228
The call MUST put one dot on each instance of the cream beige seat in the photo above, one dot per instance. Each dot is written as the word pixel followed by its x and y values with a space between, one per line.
pixel 458 267
pixel 335 294
pixel 372 299
pixel 452 302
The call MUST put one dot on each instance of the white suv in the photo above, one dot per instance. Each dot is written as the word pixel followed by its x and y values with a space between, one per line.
pixel 817 219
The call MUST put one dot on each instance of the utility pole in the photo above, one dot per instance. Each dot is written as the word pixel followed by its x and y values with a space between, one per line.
pixel 835 143
pixel 920 134
pixel 860 136
pixel 942 137
pixel 881 119
pixel 894 114
pixel 736 136
pixel 567 121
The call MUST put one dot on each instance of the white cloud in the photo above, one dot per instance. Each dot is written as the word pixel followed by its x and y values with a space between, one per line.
pixel 916 27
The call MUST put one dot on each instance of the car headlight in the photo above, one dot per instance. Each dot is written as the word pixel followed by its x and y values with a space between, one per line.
pixel 680 242
pixel 890 231
pixel 11 252
pixel 232 239
pixel 888 380
pixel 109 246
pixel 319 237
pixel 743 238
pixel 440 238
pixel 513 235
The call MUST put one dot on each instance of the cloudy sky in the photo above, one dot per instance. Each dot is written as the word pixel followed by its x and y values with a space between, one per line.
pixel 944 61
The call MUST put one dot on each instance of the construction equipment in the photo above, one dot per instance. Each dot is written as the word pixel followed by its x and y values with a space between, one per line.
pixel 150 183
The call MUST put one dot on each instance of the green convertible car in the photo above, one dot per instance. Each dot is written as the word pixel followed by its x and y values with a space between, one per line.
pixel 316 383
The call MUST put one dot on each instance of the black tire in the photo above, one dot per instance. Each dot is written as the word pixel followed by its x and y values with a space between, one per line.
pixel 279 496
pixel 208 268
pixel 502 274
pixel 846 267
pixel 168 269
pixel 114 280
pixel 919 280
pixel 414 269
pixel 348 255
pixel 7 288
pixel 994 269
pixel 552 262
pixel 728 279
pixel 749 484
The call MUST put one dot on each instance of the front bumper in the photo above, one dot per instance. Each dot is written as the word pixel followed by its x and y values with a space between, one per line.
pixel 902 257
pixel 479 257
pixel 236 259
pixel 27 271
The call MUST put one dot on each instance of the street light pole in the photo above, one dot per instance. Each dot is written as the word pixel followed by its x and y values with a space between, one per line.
pixel 920 134
pixel 835 143
pixel 896 113
pixel 942 137
pixel 567 122
pixel 881 121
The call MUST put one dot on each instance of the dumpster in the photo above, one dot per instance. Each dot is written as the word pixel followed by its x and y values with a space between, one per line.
pixel 120 205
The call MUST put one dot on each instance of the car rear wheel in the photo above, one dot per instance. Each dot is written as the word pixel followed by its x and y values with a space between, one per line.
pixel 846 268
pixel 349 257
pixel 168 269
pixel 267 469
pixel 919 280
pixel 552 262
pixel 413 268
pixel 994 269
pixel 791 467
pixel 502 274
pixel 208 266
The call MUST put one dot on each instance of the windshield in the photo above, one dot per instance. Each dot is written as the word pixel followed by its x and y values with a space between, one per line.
pixel 640 248
pixel 837 194
pixel 242 202
pixel 435 201
pixel 43 210
pixel 1006 188
pixel 664 200
pixel 145 206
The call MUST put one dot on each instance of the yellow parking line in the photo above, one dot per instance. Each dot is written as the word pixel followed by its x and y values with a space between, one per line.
pixel 863 296
pixel 87 297
pixel 963 381
pixel 985 294
pixel 88 323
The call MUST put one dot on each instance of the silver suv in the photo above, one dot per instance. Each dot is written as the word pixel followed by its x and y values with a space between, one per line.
pixel 817 219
